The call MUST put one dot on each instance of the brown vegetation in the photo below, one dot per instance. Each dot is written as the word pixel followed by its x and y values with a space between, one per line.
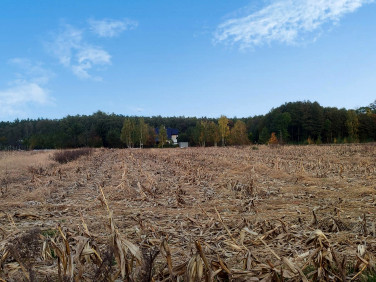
pixel 65 156
pixel 287 213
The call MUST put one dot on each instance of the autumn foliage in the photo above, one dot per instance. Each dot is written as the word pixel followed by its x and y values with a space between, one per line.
pixel 273 139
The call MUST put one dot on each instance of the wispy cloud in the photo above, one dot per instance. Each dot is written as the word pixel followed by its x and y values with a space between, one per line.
pixel 111 28
pixel 284 21
pixel 64 42
pixel 28 88
pixel 31 71
pixel 88 57
pixel 72 51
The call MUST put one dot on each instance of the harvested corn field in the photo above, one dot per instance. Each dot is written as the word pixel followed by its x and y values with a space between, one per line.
pixel 291 213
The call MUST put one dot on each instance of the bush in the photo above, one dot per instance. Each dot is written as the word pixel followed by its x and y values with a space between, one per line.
pixel 273 139
pixel 66 156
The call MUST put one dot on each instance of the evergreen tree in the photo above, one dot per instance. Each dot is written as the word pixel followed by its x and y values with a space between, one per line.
pixel 352 124
pixel 264 136
pixel 372 106
pixel 150 141
pixel 295 122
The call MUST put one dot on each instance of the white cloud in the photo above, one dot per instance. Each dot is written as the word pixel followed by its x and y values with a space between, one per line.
pixel 93 55
pixel 109 27
pixel 72 51
pixel 88 57
pixel 15 98
pixel 284 21
pixel 81 70
pixel 29 88
pixel 24 92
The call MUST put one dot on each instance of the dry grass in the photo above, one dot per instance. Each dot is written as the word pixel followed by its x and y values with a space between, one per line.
pixel 285 213
pixel 19 160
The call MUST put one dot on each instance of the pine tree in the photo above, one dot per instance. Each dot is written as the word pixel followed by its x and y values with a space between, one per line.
pixel 352 124
pixel 264 135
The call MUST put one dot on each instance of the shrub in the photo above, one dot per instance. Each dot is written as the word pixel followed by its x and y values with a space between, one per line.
pixel 273 139
pixel 66 156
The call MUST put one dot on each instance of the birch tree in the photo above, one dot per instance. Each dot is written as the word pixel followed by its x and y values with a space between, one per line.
pixel 213 133
pixel 239 134
pixel 143 132
pixel 162 136
pixel 127 132
pixel 224 129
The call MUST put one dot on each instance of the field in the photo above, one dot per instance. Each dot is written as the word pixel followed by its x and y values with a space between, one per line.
pixel 212 214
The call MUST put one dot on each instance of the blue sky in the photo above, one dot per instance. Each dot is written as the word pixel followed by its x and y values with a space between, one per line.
pixel 192 58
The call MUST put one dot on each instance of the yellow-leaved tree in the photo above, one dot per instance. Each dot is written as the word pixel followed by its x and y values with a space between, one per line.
pixel 224 129
pixel 162 136
pixel 143 129
pixel 214 135
pixel 239 134
pixel 127 132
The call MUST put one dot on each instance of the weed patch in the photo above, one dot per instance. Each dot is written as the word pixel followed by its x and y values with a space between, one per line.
pixel 66 156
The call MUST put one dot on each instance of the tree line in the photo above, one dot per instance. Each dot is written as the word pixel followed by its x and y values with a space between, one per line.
pixel 302 122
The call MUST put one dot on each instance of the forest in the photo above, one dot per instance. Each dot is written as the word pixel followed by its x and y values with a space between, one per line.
pixel 301 122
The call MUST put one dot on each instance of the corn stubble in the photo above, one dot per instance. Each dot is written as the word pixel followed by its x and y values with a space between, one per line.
pixel 199 214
